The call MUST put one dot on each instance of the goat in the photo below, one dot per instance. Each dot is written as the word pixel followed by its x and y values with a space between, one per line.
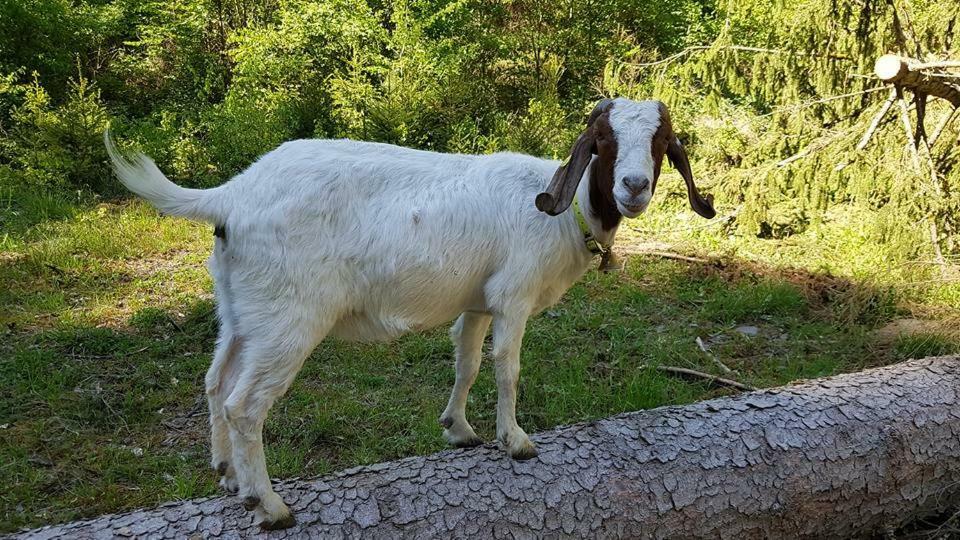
pixel 367 241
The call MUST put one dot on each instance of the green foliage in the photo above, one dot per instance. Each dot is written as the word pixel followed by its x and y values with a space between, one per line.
pixel 60 145
pixel 759 104
pixel 206 86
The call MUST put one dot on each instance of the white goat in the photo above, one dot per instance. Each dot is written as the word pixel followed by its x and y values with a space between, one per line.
pixel 368 241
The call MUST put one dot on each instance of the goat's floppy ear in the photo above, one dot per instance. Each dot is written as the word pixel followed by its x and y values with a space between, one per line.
pixel 559 194
pixel 678 157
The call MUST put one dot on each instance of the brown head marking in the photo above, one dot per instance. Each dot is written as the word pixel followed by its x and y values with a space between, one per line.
pixel 559 194
pixel 666 141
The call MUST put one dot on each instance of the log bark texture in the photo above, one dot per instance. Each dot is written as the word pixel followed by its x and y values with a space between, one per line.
pixel 910 73
pixel 847 456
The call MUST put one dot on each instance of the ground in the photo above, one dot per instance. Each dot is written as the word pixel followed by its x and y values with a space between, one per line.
pixel 106 330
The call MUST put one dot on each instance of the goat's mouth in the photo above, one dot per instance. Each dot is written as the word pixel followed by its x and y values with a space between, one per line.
pixel 633 209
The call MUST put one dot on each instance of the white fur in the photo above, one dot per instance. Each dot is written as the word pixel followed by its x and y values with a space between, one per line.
pixel 636 122
pixel 367 241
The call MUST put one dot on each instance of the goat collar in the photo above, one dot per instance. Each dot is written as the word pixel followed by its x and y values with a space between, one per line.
pixel 591 241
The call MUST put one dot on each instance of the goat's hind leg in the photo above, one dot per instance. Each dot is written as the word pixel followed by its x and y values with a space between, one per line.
pixel 222 375
pixel 269 365
pixel 220 380
pixel 467 335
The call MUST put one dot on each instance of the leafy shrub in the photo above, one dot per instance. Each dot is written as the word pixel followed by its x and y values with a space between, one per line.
pixel 248 124
pixel 61 145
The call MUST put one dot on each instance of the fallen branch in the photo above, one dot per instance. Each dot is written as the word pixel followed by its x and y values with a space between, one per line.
pixel 716 361
pixel 915 155
pixel 668 255
pixel 851 456
pixel 940 64
pixel 941 126
pixel 877 118
pixel 815 146
pixel 827 99
pixel 741 48
pixel 695 375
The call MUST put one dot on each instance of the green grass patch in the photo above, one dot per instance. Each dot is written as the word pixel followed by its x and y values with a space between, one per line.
pixel 925 344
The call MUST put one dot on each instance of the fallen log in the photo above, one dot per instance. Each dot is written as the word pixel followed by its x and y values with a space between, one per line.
pixel 912 74
pixel 851 455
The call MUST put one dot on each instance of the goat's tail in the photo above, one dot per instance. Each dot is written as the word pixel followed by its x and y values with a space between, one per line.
pixel 141 176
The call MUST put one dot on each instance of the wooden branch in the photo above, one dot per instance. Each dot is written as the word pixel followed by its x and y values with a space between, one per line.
pixel 687 373
pixel 915 155
pixel 742 48
pixel 850 456
pixel 716 361
pixel 940 64
pixel 669 255
pixel 908 73
pixel 827 99
pixel 815 146
pixel 905 120
pixel 941 126
pixel 877 118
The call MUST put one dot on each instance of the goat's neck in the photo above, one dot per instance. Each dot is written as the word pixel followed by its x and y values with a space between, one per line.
pixel 597 211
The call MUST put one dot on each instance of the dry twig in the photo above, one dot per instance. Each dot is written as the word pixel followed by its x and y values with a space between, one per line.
pixel 875 123
pixel 742 48
pixel 694 374
pixel 716 361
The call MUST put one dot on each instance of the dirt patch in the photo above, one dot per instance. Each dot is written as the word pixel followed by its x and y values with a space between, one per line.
pixel 894 330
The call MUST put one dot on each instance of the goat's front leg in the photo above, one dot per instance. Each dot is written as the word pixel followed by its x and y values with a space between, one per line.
pixel 507 337
pixel 467 335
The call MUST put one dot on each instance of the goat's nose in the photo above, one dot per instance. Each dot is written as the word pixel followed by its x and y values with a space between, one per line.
pixel 636 184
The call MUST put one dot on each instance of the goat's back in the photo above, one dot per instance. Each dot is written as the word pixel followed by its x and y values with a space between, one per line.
pixel 397 239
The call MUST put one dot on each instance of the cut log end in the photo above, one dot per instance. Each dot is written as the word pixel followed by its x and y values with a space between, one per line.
pixel 890 68
pixel 912 74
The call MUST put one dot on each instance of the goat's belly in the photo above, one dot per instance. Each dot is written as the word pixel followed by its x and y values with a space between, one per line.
pixel 386 320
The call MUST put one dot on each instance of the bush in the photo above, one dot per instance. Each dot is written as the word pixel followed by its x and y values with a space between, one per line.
pixel 61 146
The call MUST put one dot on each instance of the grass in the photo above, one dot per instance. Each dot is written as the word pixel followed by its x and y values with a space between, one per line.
pixel 107 326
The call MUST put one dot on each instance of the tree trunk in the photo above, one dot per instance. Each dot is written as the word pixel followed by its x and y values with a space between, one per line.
pixel 910 73
pixel 846 456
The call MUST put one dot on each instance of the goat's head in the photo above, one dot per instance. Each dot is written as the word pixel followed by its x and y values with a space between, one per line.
pixel 629 139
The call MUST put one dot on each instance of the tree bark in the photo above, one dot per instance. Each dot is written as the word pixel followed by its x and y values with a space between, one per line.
pixel 910 73
pixel 847 456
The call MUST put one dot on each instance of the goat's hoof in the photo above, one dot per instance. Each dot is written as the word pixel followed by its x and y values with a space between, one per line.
pixel 518 445
pixel 229 484
pixel 285 522
pixel 469 442
pixel 272 513
pixel 460 436
pixel 525 452
pixel 250 502
pixel 228 478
